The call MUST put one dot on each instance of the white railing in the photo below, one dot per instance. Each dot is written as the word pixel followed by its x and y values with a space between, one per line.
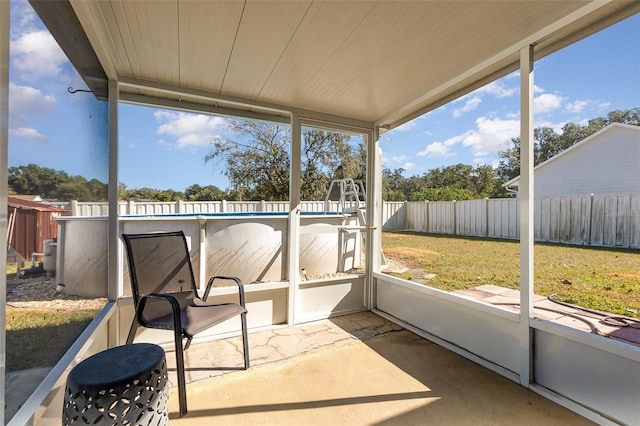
pixel 148 208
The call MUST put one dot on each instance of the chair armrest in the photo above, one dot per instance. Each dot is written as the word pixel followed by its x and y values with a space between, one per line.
pixel 175 310
pixel 223 277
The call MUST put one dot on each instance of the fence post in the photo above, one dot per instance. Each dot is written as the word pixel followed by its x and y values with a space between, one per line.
pixel 455 219
pixel 486 217
pixel 590 217
pixel 263 205
pixel 403 209
pixel 224 206
pixel 132 208
pixel 180 207
pixel 74 207
pixel 427 225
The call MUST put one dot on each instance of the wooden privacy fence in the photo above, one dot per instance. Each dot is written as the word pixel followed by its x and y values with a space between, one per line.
pixel 611 220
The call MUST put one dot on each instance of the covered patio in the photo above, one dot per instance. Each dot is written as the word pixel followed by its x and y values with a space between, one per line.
pixel 362 349
pixel 360 369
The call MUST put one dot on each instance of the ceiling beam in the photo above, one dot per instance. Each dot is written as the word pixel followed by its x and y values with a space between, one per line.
pixel 63 24
pixel 236 106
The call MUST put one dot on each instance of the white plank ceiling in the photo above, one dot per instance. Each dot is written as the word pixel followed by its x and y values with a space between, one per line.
pixel 382 62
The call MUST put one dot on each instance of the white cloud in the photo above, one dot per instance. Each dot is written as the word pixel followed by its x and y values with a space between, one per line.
pixel 28 133
pixel 470 105
pixel 436 149
pixel 403 161
pixel 26 100
pixel 497 89
pixel 577 106
pixel 441 149
pixel 491 136
pixel 557 127
pixel 398 162
pixel 22 17
pixel 398 159
pixel 36 54
pixel 408 166
pixel 546 103
pixel 188 130
pixel 409 125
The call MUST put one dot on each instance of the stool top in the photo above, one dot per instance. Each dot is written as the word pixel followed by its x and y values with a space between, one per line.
pixel 116 366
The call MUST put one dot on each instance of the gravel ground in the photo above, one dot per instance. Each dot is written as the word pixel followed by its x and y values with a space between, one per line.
pixel 41 293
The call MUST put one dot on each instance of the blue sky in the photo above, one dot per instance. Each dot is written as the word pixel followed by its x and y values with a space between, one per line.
pixel 164 149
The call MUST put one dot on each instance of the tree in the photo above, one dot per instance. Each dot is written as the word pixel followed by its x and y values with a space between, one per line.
pixel 123 193
pixel 258 164
pixel 392 185
pixel 207 193
pixel 52 184
pixel 548 143
pixel 258 167
pixel 36 180
pixel 327 156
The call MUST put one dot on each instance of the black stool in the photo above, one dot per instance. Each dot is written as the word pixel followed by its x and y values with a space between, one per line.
pixel 125 385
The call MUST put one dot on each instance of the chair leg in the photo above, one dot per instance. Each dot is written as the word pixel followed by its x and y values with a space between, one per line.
pixel 132 330
pixel 245 340
pixel 182 387
pixel 186 345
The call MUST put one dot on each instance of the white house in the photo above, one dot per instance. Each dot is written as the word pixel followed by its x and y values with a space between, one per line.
pixel 607 162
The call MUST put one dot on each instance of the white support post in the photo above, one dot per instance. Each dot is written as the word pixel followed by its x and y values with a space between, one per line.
pixel 373 215
pixel 4 188
pixel 203 253
pixel 114 250
pixel 526 214
pixel 293 269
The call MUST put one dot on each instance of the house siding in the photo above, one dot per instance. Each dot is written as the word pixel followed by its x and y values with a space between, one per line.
pixel 609 163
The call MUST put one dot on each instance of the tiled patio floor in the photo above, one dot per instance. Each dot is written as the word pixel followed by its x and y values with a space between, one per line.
pixel 357 369
pixel 278 344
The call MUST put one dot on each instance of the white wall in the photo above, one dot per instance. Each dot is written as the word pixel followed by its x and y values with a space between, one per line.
pixel 607 162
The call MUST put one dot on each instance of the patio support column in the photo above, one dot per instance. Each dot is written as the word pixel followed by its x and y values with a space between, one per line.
pixel 526 214
pixel 293 232
pixel 4 187
pixel 374 215
pixel 114 281
pixel 202 276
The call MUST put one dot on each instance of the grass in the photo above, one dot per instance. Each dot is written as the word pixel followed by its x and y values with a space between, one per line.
pixel 602 279
pixel 39 338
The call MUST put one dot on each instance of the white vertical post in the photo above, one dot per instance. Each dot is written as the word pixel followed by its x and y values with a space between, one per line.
pixel 4 188
pixel 373 215
pixel 526 213
pixel 114 286
pixel 293 269
pixel 203 253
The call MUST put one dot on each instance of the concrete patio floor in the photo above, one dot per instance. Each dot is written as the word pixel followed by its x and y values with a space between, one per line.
pixel 358 369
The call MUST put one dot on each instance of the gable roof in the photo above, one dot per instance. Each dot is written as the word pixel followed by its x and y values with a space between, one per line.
pixel 513 182
pixel 375 63
pixel 20 203
pixel 36 198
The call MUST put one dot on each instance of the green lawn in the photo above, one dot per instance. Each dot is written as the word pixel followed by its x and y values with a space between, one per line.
pixel 603 279
pixel 39 338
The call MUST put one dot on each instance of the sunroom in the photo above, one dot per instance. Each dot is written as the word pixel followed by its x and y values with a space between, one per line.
pixel 360 68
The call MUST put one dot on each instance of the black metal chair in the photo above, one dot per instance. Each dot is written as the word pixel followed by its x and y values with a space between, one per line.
pixel 166 297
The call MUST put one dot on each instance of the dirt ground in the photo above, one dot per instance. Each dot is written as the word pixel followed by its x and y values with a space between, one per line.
pixel 41 292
